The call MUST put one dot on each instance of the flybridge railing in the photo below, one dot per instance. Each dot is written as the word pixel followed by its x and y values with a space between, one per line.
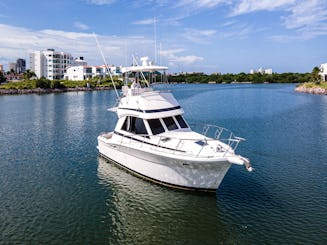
pixel 218 133
pixel 134 91
pixel 191 146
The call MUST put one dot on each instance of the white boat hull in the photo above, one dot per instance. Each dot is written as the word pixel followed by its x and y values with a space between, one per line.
pixel 169 171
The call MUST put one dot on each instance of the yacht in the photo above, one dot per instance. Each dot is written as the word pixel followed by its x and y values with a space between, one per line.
pixel 153 140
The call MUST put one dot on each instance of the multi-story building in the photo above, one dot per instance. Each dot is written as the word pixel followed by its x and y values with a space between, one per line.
pixel 20 66
pixel 12 67
pixel 323 72
pixel 80 72
pixel 262 71
pixel 50 64
pixel 1 68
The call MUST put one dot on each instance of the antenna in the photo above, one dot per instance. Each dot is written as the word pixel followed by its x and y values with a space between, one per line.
pixel 142 74
pixel 160 48
pixel 125 52
pixel 155 40
pixel 107 67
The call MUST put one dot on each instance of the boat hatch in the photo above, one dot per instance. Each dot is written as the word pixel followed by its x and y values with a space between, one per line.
pixel 201 142
pixel 165 139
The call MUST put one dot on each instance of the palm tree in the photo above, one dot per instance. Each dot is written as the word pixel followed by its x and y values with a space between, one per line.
pixel 2 77
pixel 315 76
pixel 28 74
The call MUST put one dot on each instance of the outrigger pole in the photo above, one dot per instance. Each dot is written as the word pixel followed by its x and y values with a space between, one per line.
pixel 106 64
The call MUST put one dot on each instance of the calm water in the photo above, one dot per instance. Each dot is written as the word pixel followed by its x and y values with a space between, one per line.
pixel 55 189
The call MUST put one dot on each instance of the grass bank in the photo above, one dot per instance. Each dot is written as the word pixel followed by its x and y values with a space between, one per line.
pixel 47 86
pixel 322 85
pixel 312 88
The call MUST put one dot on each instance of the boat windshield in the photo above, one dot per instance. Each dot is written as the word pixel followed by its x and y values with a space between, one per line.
pixel 181 121
pixel 170 123
pixel 156 126
pixel 134 125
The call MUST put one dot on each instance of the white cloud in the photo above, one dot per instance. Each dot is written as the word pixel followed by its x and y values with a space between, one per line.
pixel 308 19
pixel 179 60
pixel 306 13
pixel 185 8
pixel 234 30
pixel 198 36
pixel 17 42
pixel 247 6
pixel 81 26
pixel 101 2
pixel 144 22
pixel 201 3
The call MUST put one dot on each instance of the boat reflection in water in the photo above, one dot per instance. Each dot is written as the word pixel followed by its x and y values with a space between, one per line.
pixel 140 212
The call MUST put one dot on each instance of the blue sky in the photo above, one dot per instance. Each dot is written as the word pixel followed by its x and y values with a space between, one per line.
pixel 228 36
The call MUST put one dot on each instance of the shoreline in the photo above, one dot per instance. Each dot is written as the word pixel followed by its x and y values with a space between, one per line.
pixel 49 90
pixel 300 89
pixel 316 90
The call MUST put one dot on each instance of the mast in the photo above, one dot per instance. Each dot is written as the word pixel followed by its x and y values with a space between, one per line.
pixel 106 64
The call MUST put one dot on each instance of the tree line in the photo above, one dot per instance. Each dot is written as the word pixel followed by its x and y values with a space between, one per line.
pixel 241 78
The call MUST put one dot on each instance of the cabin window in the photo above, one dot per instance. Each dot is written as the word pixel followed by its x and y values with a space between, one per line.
pixel 170 123
pixel 181 121
pixel 156 126
pixel 134 125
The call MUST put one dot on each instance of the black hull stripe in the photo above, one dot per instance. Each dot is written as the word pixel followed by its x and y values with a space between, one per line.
pixel 148 143
pixel 151 111
pixel 162 183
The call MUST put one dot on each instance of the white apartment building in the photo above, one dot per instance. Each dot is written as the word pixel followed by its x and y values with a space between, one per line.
pixel 80 72
pixel 323 72
pixel 268 71
pixel 50 64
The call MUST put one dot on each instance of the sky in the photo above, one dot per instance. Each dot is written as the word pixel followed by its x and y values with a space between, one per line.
pixel 227 36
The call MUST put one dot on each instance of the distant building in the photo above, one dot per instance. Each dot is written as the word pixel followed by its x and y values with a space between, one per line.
pixel 50 64
pixel 323 72
pixel 80 62
pixel 14 76
pixel 20 66
pixel 262 71
pixel 12 67
pixel 79 73
pixel 1 68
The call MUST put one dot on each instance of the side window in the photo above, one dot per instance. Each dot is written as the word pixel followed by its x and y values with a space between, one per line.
pixel 181 121
pixel 134 125
pixel 170 123
pixel 126 124
pixel 156 126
